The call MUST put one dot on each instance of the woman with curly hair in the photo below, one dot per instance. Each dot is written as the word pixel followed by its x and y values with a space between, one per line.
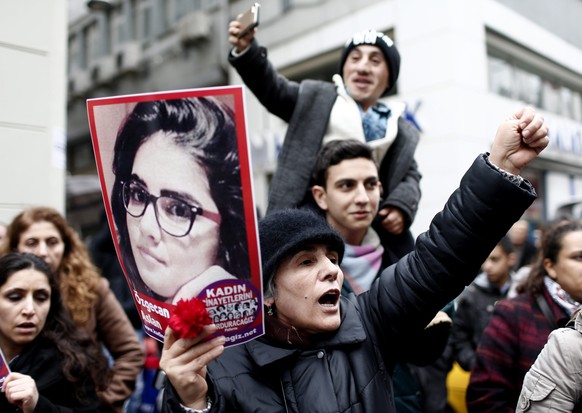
pixel 52 362
pixel 44 232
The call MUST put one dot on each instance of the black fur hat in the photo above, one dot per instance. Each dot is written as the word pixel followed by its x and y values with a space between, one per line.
pixel 284 233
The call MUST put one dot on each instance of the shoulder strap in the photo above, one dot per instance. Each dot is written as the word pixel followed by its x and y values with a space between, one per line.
pixel 545 308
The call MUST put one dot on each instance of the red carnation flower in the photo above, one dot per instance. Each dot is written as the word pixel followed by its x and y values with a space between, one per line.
pixel 189 317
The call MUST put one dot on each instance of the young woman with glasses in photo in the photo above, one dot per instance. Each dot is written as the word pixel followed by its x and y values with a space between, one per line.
pixel 177 198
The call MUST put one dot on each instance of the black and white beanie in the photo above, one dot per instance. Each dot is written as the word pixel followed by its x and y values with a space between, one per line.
pixel 381 41
pixel 285 232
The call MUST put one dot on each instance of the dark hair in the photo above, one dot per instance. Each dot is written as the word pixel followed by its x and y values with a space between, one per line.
pixel 336 151
pixel 551 245
pixel 81 357
pixel 506 244
pixel 205 129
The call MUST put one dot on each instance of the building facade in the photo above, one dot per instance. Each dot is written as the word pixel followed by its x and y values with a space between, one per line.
pixel 32 105
pixel 465 67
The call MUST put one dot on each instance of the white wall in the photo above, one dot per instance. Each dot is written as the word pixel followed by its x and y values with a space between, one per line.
pixel 444 66
pixel 33 39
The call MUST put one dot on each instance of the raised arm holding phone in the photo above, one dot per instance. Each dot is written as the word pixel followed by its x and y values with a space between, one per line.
pixel 249 20
pixel 352 105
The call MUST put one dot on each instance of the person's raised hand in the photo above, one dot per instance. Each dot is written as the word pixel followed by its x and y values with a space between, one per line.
pixel 184 361
pixel 21 390
pixel 393 220
pixel 239 43
pixel 519 140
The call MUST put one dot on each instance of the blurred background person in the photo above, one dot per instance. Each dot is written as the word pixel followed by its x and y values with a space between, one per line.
pixel 477 301
pixel 474 309
pixel 519 326
pixel 524 246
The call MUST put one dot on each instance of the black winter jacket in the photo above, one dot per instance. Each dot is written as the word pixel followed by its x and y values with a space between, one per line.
pixel 474 310
pixel 350 370
pixel 43 362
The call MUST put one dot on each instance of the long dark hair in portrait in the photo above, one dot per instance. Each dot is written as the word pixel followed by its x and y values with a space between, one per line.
pixel 205 128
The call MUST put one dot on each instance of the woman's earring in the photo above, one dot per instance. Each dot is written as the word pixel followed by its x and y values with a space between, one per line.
pixel 270 310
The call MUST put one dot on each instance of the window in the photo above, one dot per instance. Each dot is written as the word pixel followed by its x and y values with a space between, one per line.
pixel 184 7
pixel 74 51
pixel 142 16
pixel 518 73
pixel 80 157
pixel 162 17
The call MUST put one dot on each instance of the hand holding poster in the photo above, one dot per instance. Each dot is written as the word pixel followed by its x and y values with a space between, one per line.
pixel 175 176
pixel 4 368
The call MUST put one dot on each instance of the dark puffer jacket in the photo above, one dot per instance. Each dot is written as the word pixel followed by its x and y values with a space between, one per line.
pixel 474 311
pixel 350 369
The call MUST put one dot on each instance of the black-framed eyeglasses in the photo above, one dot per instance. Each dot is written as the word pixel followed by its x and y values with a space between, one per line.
pixel 174 216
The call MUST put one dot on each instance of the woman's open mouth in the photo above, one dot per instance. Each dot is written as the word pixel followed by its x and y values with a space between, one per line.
pixel 330 299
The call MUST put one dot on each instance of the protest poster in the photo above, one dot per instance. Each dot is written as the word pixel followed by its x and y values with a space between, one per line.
pixel 174 169
pixel 4 368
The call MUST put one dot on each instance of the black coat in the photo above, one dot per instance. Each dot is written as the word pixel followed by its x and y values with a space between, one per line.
pixel 43 362
pixel 350 370
pixel 474 310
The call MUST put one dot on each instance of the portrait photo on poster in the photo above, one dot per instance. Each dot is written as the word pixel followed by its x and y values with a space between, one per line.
pixel 175 176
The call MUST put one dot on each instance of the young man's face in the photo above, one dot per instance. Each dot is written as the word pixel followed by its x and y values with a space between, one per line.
pixel 498 265
pixel 365 74
pixel 350 198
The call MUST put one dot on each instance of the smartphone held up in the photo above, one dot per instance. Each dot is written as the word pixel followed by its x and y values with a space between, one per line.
pixel 249 20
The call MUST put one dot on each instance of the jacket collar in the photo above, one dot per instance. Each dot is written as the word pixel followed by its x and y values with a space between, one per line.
pixel 351 331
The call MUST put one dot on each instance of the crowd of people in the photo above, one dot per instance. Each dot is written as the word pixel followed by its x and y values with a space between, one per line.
pixel 358 314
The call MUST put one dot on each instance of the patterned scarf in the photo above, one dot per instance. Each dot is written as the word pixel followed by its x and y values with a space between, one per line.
pixel 561 297
pixel 374 121
pixel 361 263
